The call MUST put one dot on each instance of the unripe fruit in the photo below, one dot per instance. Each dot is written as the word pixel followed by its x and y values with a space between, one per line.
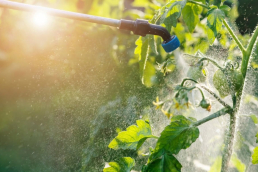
pixel 205 104
pixel 221 84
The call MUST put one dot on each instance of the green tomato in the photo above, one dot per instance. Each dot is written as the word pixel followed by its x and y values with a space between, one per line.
pixel 205 104
pixel 197 73
pixel 221 84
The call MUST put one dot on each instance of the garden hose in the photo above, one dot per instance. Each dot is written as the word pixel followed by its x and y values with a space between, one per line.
pixel 138 27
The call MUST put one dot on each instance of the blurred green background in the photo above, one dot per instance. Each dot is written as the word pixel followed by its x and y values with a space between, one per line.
pixel 66 86
pixel 55 76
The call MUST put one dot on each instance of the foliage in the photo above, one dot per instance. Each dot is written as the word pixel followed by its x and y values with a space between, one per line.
pixel 176 136
pixel 67 90
pixel 164 164
pixel 228 80
pixel 54 82
pixel 122 165
pixel 133 137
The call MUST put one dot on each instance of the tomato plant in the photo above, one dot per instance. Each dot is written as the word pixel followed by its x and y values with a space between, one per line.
pixel 182 130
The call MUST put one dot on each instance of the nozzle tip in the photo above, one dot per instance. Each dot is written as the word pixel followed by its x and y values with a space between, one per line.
pixel 171 45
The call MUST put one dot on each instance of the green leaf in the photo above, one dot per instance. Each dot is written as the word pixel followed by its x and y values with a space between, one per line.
pixel 225 8
pixel 152 43
pixel 141 48
pixel 133 137
pixel 146 69
pixel 171 12
pixel 255 156
pixel 238 164
pixel 124 164
pixel 254 118
pixel 216 167
pixel 256 138
pixel 168 163
pixel 191 15
pixel 214 23
pixel 215 2
pixel 180 134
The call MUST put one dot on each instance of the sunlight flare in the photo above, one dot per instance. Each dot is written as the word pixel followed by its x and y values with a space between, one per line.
pixel 40 19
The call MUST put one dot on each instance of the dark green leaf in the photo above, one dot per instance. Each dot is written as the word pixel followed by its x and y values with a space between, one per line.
pixel 133 137
pixel 255 156
pixel 225 8
pixel 191 15
pixel 214 23
pixel 256 138
pixel 124 164
pixel 176 136
pixel 171 12
pixel 215 2
pixel 167 163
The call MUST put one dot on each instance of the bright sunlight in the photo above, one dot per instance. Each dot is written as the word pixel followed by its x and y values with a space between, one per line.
pixel 40 19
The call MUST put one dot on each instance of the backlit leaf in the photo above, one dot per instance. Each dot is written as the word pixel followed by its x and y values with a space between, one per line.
pixel 142 50
pixel 254 118
pixel 133 137
pixel 214 23
pixel 238 164
pixel 191 59
pixel 225 8
pixel 180 134
pixel 191 15
pixel 216 167
pixel 171 12
pixel 153 45
pixel 215 2
pixel 124 164
pixel 255 156
pixel 167 163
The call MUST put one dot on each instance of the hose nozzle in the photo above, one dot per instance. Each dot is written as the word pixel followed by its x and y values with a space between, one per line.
pixel 143 27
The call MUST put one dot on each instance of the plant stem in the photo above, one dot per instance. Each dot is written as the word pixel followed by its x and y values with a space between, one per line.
pixel 187 79
pixel 236 101
pixel 197 3
pixel 216 96
pixel 212 61
pixel 239 44
pixel 217 114
pixel 246 56
pixel 228 149
pixel 201 93
pixel 154 137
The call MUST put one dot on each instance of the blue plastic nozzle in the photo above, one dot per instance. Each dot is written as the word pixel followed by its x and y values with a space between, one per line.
pixel 171 45
pixel 143 27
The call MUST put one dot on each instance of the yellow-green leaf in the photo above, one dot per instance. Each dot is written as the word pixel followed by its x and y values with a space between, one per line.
pixel 255 156
pixel 254 118
pixel 238 164
pixel 124 164
pixel 216 167
pixel 133 137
